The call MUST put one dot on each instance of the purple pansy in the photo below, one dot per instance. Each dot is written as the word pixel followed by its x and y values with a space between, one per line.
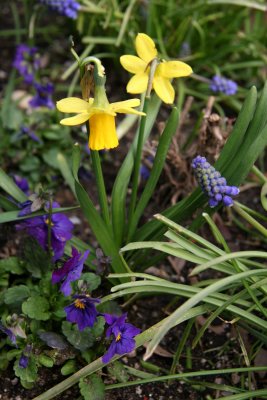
pixel 212 183
pixel 8 332
pixel 22 183
pixel 68 8
pixel 26 62
pixel 123 334
pixel 82 311
pixel 23 361
pixel 61 231
pixel 43 96
pixel 223 85
pixel 70 271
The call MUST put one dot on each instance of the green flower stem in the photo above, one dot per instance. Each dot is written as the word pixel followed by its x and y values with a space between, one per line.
pixel 250 219
pixel 137 163
pixel 96 164
pixel 259 174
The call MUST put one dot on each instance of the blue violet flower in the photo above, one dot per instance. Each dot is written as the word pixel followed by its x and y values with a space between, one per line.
pixel 212 183
pixel 82 311
pixel 123 335
pixel 70 271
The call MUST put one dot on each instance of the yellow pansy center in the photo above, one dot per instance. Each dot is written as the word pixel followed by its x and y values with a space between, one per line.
pixel 79 304
pixel 48 222
pixel 102 132
pixel 118 337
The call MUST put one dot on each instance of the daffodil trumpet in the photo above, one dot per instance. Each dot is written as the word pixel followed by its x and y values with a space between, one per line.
pixel 159 78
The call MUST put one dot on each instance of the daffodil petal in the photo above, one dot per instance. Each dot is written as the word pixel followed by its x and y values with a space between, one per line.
pixel 133 64
pixel 164 89
pixel 129 110
pixel 73 105
pixel 125 103
pixel 173 69
pixel 137 84
pixel 76 120
pixel 145 47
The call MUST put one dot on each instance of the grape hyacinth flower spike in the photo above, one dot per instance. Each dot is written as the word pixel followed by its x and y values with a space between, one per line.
pixel 212 183
pixel 223 85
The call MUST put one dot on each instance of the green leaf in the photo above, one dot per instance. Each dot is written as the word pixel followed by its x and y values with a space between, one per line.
pixel 36 307
pixel 92 388
pixel 16 294
pixel 65 171
pixel 121 183
pixel 50 157
pixel 263 196
pixel 92 280
pixel 9 186
pixel 158 165
pixel 28 374
pixel 69 367
pixel 10 216
pixel 97 224
pixel 37 259
pixel 118 370
pixel 30 164
pixel 12 265
pixel 83 340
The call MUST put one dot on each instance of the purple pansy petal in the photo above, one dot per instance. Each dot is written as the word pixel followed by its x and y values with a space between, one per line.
pixel 23 361
pixel 82 311
pixel 124 346
pixel 110 353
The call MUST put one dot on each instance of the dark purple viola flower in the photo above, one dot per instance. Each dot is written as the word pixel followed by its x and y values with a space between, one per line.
pixel 8 332
pixel 22 183
pixel 223 85
pixel 61 231
pixel 26 62
pixel 70 271
pixel 68 8
pixel 123 336
pixel 82 311
pixel 26 208
pixel 212 183
pixel 43 96
pixel 23 361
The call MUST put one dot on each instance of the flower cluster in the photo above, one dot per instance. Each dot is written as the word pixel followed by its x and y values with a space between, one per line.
pixel 212 183
pixel 82 311
pixel 68 8
pixel 27 62
pixel 61 230
pixel 223 85
pixel 141 68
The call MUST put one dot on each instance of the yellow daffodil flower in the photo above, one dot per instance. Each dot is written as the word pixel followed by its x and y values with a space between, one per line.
pixel 101 115
pixel 164 71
